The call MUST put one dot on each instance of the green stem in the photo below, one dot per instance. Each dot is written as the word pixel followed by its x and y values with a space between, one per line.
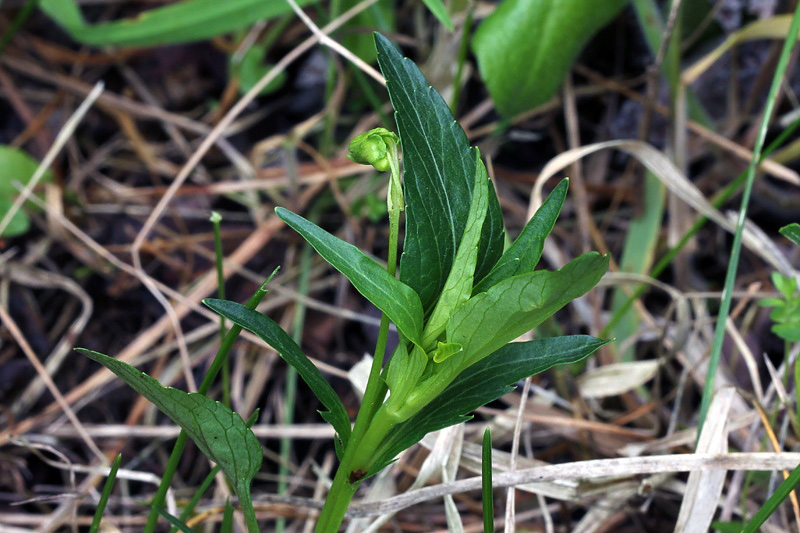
pixel 348 475
pixel 246 503
pixel 180 444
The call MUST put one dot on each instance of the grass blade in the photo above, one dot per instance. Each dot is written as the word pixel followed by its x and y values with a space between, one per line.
pixel 730 277
pixel 780 494
pixel 107 488
pixel 486 482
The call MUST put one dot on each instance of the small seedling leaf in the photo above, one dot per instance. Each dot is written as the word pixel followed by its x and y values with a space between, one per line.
pixel 192 20
pixel 220 433
pixel 484 382
pixel 518 304
pixel 438 181
pixel 16 166
pixel 399 301
pixel 271 333
pixel 524 254
pixel 525 49
pixel 792 232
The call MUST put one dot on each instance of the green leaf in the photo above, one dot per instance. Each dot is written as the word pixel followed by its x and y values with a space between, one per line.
pixel 525 48
pixel 271 333
pixel 481 383
pixel 403 372
pixel 789 332
pixel 487 489
pixel 399 301
pixel 792 232
pixel 440 12
pixel 16 165
pixel 458 287
pixel 220 433
pixel 518 304
pixel 439 178
pixel 176 522
pixel 524 254
pixel 190 20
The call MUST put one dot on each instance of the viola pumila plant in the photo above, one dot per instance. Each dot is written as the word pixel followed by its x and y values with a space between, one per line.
pixel 458 302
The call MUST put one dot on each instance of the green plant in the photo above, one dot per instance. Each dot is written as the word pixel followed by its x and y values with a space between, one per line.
pixel 458 303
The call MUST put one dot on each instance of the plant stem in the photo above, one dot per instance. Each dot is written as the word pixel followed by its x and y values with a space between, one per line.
pixel 343 490
pixel 246 503
pixel 180 444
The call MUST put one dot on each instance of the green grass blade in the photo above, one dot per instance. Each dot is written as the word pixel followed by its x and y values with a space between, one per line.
pixel 486 482
pixel 192 20
pixel 730 277
pixel 227 518
pixel 107 488
pixel 439 10
pixel 780 494
pixel 177 524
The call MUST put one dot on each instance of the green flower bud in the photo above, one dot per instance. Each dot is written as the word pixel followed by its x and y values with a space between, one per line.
pixel 372 148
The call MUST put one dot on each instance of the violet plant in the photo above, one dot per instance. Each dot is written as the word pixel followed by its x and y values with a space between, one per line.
pixel 458 303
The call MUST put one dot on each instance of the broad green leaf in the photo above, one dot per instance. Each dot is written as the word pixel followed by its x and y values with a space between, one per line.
pixel 526 47
pixel 458 287
pixel 16 165
pixel 484 382
pixel 524 254
pixel 439 177
pixel 190 20
pixel 271 333
pixel 220 433
pixel 789 331
pixel 439 10
pixel 518 304
pixel 792 232
pixel 399 301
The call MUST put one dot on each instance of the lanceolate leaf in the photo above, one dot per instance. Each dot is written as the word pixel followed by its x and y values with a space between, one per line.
pixel 526 47
pixel 220 433
pixel 438 180
pixel 482 383
pixel 458 287
pixel 517 305
pixel 271 333
pixel 399 301
pixel 190 20
pixel 524 254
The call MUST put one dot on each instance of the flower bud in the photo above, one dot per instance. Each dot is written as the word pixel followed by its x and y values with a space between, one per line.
pixel 372 148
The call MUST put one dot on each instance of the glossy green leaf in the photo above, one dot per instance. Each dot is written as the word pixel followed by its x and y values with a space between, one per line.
pixel 484 382
pixel 190 20
pixel 439 10
pixel 524 254
pixel 220 433
pixel 526 47
pixel 271 333
pixel 404 370
pixel 16 165
pixel 518 304
pixel 439 177
pixel 792 232
pixel 399 301
pixel 458 287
